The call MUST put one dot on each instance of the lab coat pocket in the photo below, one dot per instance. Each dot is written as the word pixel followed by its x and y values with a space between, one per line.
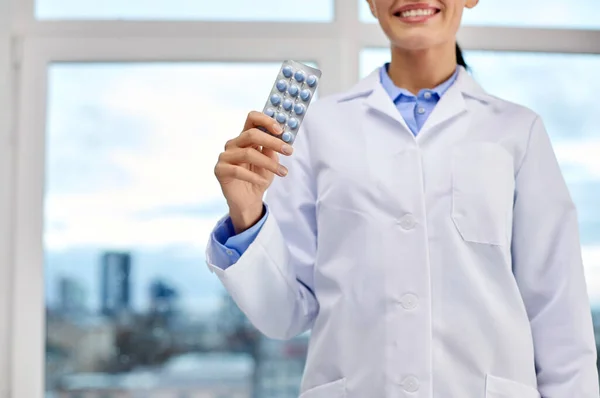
pixel 497 387
pixel 335 389
pixel 482 193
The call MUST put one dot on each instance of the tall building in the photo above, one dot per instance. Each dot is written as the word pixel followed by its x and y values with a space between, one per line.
pixel 163 296
pixel 116 284
pixel 71 296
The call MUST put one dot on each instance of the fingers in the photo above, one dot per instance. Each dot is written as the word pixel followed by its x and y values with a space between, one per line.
pixel 254 137
pixel 254 157
pixel 258 119
pixel 225 171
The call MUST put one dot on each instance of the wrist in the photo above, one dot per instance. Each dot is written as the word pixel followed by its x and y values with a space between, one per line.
pixel 243 220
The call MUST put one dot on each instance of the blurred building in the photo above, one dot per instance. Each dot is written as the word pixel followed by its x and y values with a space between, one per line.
pixel 281 367
pixel 116 288
pixel 71 296
pixel 163 301
pixel 82 344
pixel 193 375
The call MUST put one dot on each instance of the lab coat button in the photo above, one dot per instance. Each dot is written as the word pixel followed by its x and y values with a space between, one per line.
pixel 408 222
pixel 411 384
pixel 409 301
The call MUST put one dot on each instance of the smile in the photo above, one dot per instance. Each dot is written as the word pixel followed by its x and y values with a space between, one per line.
pixel 417 13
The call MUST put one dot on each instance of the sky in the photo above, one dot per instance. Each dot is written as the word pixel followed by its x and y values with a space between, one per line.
pixel 131 147
pixel 130 154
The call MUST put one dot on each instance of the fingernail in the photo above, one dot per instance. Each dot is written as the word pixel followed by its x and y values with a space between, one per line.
pixel 287 149
pixel 282 171
pixel 277 129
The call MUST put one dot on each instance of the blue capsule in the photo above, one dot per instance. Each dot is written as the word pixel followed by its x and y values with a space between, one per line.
pixel 299 109
pixel 270 112
pixel 300 76
pixel 282 86
pixel 311 81
pixel 287 71
pixel 293 123
pixel 305 95
pixel 287 136
pixel 294 90
pixel 275 99
pixel 281 118
pixel 288 104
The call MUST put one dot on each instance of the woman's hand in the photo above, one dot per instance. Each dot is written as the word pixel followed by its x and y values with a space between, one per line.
pixel 247 168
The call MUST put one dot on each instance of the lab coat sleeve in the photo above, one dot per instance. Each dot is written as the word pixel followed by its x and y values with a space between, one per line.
pixel 272 281
pixel 548 268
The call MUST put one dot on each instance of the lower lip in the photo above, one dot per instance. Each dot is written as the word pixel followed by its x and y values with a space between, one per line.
pixel 418 19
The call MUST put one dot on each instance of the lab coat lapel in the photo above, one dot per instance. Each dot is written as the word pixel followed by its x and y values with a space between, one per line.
pixel 376 98
pixel 453 103
pixel 450 105
pixel 380 101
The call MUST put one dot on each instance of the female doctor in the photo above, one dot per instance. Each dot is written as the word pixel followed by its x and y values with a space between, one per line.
pixel 420 228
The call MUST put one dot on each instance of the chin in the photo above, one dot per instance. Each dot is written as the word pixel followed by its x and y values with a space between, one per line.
pixel 413 42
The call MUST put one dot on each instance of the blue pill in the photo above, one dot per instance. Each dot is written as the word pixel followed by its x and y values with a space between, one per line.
pixel 270 112
pixel 300 76
pixel 293 123
pixel 275 99
pixel 311 80
pixel 287 137
pixel 287 71
pixel 293 90
pixel 281 118
pixel 305 95
pixel 288 104
pixel 282 85
pixel 299 109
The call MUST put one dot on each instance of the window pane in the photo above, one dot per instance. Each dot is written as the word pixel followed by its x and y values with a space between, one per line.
pixel 130 201
pixel 531 13
pixel 232 10
pixel 570 111
pixel 372 58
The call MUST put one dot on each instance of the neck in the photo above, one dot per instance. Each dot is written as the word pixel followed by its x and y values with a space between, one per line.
pixel 415 70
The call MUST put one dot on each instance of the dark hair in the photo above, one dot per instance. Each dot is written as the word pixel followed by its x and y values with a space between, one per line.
pixel 459 57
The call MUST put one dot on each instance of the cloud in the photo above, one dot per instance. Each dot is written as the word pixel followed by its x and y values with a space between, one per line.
pixel 591 261
pixel 176 120
pixel 585 154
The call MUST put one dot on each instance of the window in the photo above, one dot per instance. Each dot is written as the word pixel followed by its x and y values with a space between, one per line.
pixel 237 10
pixel 532 13
pixel 569 109
pixel 130 201
pixel 121 107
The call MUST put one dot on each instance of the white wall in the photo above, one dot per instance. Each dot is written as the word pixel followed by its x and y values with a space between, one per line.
pixel 6 193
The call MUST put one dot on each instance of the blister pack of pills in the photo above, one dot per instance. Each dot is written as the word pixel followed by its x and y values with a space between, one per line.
pixel 290 97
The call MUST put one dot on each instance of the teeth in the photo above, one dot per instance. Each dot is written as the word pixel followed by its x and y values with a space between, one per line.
pixel 417 13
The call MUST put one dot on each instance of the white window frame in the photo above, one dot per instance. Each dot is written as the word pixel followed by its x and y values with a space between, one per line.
pixel 6 192
pixel 28 46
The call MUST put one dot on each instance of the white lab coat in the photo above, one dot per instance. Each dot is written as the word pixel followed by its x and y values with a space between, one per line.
pixel 446 265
